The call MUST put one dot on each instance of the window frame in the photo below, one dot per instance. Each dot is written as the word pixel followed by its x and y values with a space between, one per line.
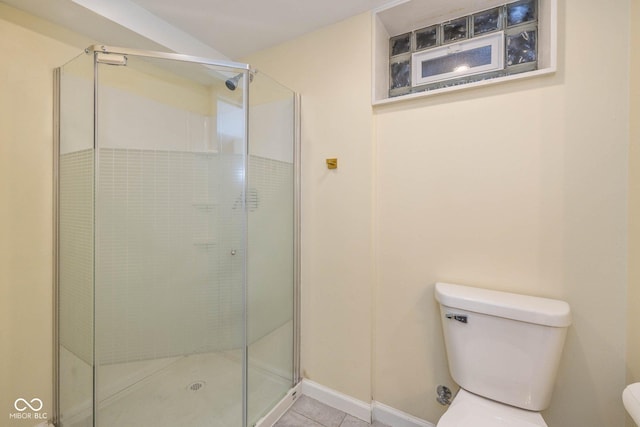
pixel 494 39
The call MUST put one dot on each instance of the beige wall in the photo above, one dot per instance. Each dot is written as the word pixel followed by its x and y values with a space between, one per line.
pixel 633 353
pixel 541 212
pixel 520 186
pixel 26 105
pixel 331 69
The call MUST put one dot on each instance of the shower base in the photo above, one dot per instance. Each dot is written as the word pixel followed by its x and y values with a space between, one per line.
pixel 192 391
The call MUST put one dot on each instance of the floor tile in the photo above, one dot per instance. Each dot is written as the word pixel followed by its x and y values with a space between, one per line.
pixel 350 421
pixel 293 419
pixel 323 414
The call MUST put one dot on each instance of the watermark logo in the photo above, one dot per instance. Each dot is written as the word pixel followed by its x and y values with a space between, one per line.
pixel 22 405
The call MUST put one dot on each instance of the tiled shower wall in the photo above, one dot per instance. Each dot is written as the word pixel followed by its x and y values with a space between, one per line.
pixel 76 253
pixel 166 281
pixel 169 234
pixel 167 223
pixel 270 256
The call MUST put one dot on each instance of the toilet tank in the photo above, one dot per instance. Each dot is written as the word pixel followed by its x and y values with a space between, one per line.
pixel 503 346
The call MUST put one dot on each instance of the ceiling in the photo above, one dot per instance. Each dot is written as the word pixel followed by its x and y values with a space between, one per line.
pixel 234 28
pixel 240 27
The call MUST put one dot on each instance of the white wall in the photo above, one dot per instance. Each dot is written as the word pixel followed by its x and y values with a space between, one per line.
pixel 520 186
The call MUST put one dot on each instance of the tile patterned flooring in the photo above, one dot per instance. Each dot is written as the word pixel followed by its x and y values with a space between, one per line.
pixel 308 412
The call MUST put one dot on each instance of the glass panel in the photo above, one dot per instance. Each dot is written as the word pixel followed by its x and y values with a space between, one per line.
pixel 75 243
pixel 170 245
pixel 400 74
pixel 457 62
pixel 427 37
pixel 521 47
pixel 522 11
pixel 486 21
pixel 454 30
pixel 270 260
pixel 400 44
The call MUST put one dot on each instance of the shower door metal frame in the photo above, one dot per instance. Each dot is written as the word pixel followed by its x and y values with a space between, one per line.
pixel 97 48
pixel 297 224
pixel 56 247
pixel 246 70
pixel 245 285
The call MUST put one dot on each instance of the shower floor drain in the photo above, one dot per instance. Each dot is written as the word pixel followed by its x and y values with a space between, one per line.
pixel 196 385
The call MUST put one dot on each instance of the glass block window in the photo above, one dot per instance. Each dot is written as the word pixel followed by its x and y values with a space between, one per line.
pixel 521 12
pixel 427 37
pixel 522 47
pixel 487 21
pixel 400 44
pixel 401 74
pixel 454 30
pixel 487 44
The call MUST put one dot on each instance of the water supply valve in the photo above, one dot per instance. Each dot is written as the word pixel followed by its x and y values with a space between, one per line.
pixel 444 395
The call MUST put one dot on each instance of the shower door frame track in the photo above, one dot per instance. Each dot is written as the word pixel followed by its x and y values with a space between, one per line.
pixel 98 48
pixel 246 68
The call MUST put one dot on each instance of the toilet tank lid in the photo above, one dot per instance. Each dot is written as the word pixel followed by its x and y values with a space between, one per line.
pixel 525 308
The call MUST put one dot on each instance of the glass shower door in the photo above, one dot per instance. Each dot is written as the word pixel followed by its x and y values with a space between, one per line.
pixel 176 242
pixel 271 253
pixel 74 244
pixel 170 233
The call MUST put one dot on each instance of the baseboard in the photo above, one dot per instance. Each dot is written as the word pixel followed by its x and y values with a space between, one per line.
pixel 393 417
pixel 335 399
pixel 367 412
pixel 283 406
pixel 375 411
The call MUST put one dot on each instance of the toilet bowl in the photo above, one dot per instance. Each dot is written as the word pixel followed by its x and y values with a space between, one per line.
pixel 468 409
pixel 503 351
pixel 631 401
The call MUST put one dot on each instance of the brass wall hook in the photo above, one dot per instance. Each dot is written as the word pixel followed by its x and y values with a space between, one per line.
pixel 332 163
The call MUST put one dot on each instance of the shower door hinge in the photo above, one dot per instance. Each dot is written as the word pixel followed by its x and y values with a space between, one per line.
pixel 111 59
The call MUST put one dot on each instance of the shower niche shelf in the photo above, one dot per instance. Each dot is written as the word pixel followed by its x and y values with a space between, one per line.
pixel 409 15
pixel 205 206
pixel 205 244
pixel 206 154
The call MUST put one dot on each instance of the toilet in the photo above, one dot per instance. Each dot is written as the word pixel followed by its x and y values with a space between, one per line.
pixel 503 351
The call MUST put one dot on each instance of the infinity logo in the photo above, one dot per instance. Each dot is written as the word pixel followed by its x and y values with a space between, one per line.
pixel 21 404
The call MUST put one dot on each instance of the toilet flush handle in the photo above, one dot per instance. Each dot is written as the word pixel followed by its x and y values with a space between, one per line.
pixel 459 317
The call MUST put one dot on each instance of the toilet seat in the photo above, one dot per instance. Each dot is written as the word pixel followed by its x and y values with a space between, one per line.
pixel 470 410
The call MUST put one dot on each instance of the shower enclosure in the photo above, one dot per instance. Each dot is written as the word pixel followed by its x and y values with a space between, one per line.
pixel 176 241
